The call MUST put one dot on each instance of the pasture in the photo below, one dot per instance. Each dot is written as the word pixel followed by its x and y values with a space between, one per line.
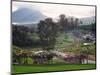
pixel 36 68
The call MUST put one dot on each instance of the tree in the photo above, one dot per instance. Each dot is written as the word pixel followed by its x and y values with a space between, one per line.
pixel 76 23
pixel 66 24
pixel 63 22
pixel 47 31
pixel 21 37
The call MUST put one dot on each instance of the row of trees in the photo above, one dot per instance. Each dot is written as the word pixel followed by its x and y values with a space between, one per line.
pixel 24 36
pixel 66 24
pixel 48 29
pixel 47 32
pixel 20 36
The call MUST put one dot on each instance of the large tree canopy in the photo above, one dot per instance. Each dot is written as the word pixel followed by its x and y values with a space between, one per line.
pixel 20 36
pixel 47 31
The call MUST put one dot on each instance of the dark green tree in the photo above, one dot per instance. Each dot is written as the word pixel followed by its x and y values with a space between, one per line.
pixel 47 31
pixel 76 23
pixel 63 23
pixel 20 36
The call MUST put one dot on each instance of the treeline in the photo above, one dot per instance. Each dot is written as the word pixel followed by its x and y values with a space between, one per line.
pixel 65 24
pixel 90 28
pixel 22 36
pixel 47 32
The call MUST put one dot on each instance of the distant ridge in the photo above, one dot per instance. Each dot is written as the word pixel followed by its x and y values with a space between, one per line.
pixel 27 15
pixel 87 20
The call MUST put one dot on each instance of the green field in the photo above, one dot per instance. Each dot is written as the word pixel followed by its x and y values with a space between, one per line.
pixel 50 67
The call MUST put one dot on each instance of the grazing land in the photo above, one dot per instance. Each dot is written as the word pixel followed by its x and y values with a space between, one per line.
pixel 50 67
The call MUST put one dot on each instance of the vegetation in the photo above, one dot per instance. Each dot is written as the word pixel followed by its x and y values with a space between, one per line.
pixel 50 68
pixel 47 31
pixel 35 46
pixel 65 24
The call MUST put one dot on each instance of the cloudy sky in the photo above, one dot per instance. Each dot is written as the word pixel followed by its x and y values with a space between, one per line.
pixel 54 10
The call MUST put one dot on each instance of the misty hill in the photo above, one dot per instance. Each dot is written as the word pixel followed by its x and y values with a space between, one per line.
pixel 27 15
pixel 30 17
pixel 87 20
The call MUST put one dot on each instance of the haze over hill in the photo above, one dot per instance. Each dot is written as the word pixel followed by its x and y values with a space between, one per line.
pixel 27 15
pixel 87 20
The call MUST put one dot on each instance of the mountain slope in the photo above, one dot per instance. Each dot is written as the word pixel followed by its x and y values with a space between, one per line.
pixel 87 20
pixel 26 15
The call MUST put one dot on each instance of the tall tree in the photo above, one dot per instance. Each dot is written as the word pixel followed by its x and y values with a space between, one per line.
pixel 47 31
pixel 63 22
pixel 76 23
